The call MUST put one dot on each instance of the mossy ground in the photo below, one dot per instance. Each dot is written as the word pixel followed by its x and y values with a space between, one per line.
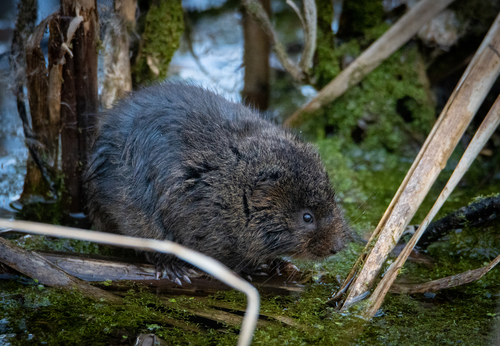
pixel 365 181
pixel 366 168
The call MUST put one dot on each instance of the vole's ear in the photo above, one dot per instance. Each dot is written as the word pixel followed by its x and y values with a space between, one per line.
pixel 266 186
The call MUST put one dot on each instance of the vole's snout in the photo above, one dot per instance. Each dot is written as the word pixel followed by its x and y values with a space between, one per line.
pixel 338 245
pixel 333 251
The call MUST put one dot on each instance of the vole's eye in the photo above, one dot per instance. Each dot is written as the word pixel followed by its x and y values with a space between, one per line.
pixel 307 218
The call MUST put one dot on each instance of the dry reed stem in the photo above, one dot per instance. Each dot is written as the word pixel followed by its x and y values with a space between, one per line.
pixel 462 105
pixel 484 132
pixel 447 282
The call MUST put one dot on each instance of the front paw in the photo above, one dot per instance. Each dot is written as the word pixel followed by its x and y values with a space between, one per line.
pixel 171 268
pixel 174 272
pixel 280 266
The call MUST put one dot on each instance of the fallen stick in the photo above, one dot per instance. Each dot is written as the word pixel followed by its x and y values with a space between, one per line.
pixel 451 124
pixel 447 282
pixel 404 29
pixel 484 132
pixel 288 321
pixel 475 214
pixel 231 319
pixel 255 9
pixel 124 274
pixel 310 27
pixel 197 259
pixel 37 267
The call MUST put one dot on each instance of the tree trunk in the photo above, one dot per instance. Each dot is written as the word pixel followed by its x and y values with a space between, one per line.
pixel 25 24
pixel 256 61
pixel 79 98
pixel 118 78
pixel 44 125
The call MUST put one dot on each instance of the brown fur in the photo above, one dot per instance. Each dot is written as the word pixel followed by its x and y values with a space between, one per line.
pixel 181 163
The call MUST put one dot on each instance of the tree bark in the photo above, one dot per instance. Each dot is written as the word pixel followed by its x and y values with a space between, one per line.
pixel 79 98
pixel 256 61
pixel 25 24
pixel 118 77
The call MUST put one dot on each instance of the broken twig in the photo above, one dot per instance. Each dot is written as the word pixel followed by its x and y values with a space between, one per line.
pixel 447 282
pixel 298 72
pixel 475 214
pixel 37 267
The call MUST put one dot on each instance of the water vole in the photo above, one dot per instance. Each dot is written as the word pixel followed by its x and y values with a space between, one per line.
pixel 178 162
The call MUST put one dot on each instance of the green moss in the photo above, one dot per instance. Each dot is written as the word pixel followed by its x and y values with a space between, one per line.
pixel 358 16
pixel 46 212
pixel 410 321
pixel 44 206
pixel 42 243
pixel 481 244
pixel 52 317
pixel 481 197
pixel 365 180
pixel 162 33
pixel 329 53
pixel 390 105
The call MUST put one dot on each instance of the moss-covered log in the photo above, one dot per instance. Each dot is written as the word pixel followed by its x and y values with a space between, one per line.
pixel 159 41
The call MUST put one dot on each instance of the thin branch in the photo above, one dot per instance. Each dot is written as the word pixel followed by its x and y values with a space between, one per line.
pixel 402 31
pixel 255 9
pixel 47 273
pixel 197 259
pixel 89 268
pixel 310 28
pixel 297 12
pixel 217 315
pixel 447 282
pixel 475 214
pixel 73 26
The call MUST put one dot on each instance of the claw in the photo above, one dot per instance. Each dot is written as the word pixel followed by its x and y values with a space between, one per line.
pixel 186 279
pixel 178 282
pixel 294 267
pixel 192 271
pixel 164 274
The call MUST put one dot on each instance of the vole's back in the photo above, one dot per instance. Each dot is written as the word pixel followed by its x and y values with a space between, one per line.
pixel 143 143
pixel 181 163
